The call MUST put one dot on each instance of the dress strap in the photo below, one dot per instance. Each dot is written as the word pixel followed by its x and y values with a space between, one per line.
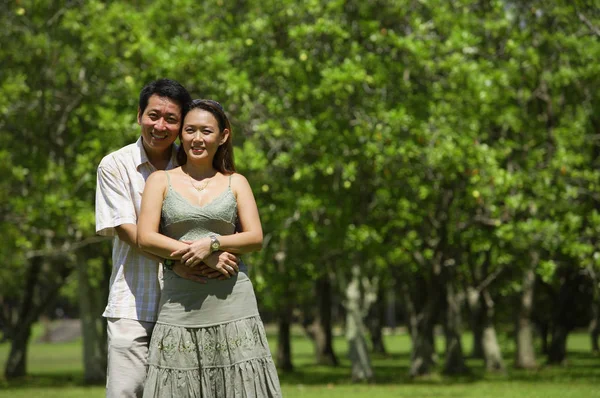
pixel 168 178
pixel 230 175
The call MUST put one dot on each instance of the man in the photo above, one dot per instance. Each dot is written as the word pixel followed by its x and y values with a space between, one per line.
pixel 135 280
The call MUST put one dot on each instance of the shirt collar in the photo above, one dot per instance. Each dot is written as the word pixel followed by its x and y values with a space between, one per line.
pixel 141 157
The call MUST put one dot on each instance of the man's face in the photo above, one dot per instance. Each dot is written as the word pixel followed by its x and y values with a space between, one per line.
pixel 160 123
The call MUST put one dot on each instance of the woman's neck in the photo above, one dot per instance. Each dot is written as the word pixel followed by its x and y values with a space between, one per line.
pixel 198 172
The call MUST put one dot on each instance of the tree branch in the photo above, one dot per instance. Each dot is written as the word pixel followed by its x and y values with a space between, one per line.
pixel 65 249
pixel 489 279
pixel 591 26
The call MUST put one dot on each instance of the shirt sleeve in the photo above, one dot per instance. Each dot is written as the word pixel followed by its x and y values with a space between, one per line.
pixel 114 204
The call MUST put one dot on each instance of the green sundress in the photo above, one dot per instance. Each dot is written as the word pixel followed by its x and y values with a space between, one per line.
pixel 209 340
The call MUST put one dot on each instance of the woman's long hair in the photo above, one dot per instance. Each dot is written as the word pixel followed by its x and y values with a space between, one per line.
pixel 223 160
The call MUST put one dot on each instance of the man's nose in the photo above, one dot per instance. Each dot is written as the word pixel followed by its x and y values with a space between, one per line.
pixel 160 124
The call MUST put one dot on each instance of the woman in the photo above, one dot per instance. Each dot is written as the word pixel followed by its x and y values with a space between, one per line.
pixel 209 340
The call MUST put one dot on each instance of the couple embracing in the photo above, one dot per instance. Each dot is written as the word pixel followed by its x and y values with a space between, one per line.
pixel 182 314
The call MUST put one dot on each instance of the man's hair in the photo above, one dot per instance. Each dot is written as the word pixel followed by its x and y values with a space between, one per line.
pixel 165 88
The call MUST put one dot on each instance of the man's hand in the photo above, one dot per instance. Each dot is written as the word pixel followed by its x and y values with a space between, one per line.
pixel 193 274
pixel 210 273
pixel 195 253
pixel 223 263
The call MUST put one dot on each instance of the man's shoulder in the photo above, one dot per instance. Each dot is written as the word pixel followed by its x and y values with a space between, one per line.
pixel 119 158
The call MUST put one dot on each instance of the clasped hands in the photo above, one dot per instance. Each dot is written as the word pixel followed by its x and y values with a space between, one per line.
pixel 220 264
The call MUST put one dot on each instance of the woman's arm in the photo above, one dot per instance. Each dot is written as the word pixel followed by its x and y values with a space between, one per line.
pixel 248 240
pixel 148 237
pixel 128 234
pixel 251 237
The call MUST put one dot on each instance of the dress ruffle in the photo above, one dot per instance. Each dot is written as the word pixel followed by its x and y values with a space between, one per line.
pixel 226 360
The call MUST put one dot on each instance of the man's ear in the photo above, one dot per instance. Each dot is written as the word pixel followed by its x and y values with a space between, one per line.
pixel 139 116
pixel 224 136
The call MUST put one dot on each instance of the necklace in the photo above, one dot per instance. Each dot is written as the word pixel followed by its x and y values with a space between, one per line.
pixel 198 189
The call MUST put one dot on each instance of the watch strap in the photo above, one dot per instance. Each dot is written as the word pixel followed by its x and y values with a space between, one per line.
pixel 168 263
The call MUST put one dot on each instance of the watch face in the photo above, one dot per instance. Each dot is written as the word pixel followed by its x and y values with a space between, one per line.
pixel 215 245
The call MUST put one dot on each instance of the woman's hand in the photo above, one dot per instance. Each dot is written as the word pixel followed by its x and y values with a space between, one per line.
pixel 195 253
pixel 226 264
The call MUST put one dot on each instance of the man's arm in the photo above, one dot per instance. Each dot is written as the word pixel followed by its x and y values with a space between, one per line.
pixel 128 234
pixel 114 204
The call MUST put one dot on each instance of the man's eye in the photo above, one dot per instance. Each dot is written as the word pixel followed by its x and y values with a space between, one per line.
pixel 172 120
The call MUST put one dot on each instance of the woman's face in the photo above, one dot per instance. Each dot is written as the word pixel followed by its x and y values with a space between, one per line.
pixel 200 135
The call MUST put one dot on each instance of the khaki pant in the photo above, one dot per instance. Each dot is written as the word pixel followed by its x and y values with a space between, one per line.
pixel 128 341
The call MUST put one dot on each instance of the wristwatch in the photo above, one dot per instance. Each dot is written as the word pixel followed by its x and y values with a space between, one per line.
pixel 214 243
pixel 168 263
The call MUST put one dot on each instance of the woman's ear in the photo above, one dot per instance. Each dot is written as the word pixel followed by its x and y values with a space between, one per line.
pixel 224 136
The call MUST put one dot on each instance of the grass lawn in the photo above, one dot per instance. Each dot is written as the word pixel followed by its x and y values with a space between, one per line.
pixel 55 370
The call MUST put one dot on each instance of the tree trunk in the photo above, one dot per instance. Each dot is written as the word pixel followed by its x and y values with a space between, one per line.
pixel 558 348
pixel 422 358
pixel 525 354
pixel 284 342
pixel 355 329
pixel 16 364
pixel 455 361
pixel 477 321
pixel 321 329
pixel 478 336
pixel 93 293
pixel 595 327
pixel 38 295
pixel 595 321
pixel 421 325
pixel 491 348
pixel 376 323
pixel 543 331
pixel 595 334
pixel 565 308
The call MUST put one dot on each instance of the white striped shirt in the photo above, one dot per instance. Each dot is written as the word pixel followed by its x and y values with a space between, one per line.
pixel 136 281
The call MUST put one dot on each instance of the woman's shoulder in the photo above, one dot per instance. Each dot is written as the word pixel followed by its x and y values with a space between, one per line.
pixel 239 185
pixel 159 177
pixel 237 178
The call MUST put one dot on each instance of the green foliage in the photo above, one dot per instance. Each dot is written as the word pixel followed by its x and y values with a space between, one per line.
pixel 384 133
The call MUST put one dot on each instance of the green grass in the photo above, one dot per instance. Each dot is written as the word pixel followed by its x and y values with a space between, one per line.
pixel 55 370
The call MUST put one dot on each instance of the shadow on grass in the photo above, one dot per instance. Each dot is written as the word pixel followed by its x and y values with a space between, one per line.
pixel 580 367
pixel 46 380
pixel 394 369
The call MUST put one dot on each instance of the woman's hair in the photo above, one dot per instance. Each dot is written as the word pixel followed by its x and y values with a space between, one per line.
pixel 223 160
